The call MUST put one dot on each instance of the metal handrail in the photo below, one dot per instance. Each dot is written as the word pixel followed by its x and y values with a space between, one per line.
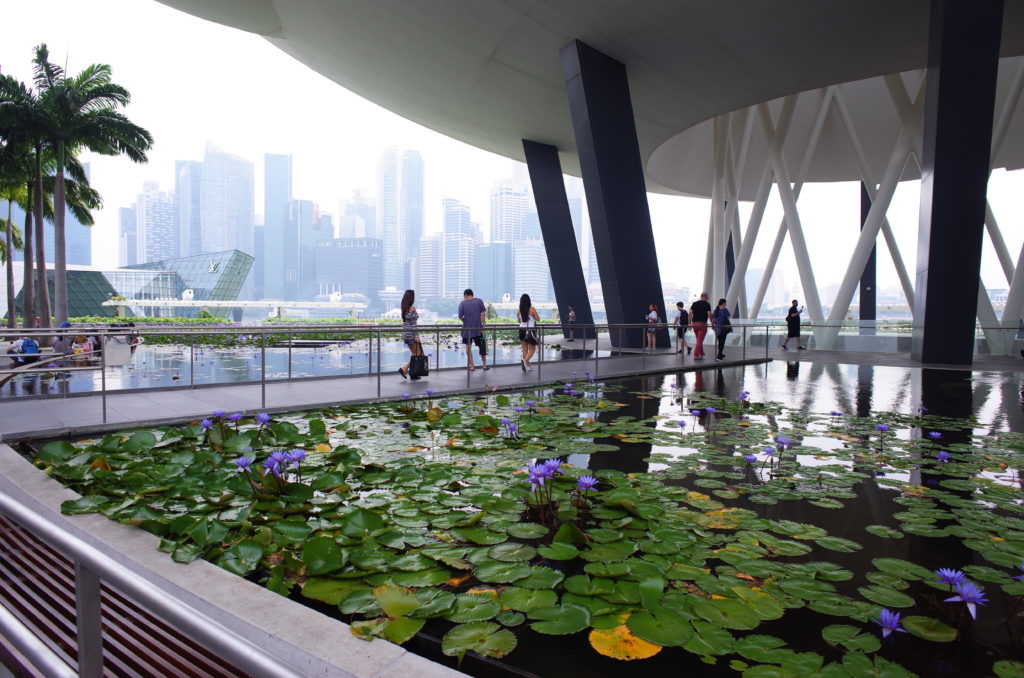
pixel 91 568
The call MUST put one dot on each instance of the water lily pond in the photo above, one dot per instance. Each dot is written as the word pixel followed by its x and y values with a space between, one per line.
pixel 667 525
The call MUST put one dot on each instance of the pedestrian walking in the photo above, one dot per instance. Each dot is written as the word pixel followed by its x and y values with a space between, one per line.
pixel 682 323
pixel 528 319
pixel 410 336
pixel 473 315
pixel 652 325
pixel 572 322
pixel 700 311
pixel 793 326
pixel 723 326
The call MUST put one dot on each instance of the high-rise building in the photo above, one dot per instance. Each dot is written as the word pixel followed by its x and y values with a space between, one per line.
pixel 410 208
pixel 494 271
pixel 532 275
pixel 128 237
pixel 300 245
pixel 509 205
pixel 350 266
pixel 387 211
pixel 156 214
pixel 188 184
pixel 277 201
pixel 358 218
pixel 460 240
pixel 226 202
pixel 430 267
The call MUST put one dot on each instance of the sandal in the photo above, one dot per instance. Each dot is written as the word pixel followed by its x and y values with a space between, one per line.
pixel 402 372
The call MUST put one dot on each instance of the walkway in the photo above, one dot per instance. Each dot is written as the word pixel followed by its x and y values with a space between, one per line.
pixel 22 418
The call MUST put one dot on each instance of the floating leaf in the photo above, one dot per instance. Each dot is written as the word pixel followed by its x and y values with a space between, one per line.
pixel 619 642
pixel 484 638
pixel 929 629
pixel 559 551
pixel 525 600
pixel 728 613
pixel 473 607
pixel 883 531
pixel 560 620
pixel 402 629
pixel 512 552
pixel 541 578
pixel 838 544
pixel 396 601
pixel 666 628
pixel 885 596
pixel 527 530
pixel 331 591
pixel 497 572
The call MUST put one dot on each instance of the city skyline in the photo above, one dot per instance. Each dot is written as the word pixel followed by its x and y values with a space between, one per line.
pixel 335 138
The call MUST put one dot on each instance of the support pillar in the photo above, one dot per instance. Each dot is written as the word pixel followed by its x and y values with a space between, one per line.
pixel 613 177
pixel 963 60
pixel 559 235
pixel 868 294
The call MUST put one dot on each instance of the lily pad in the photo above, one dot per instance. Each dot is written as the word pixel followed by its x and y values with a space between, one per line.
pixel 512 552
pixel 929 629
pixel 560 620
pixel 886 596
pixel 666 628
pixel 883 531
pixel 527 530
pixel 729 613
pixel 838 544
pixel 526 600
pixel 484 638
pixel 559 551
pixel 619 642
pixel 474 607
pixel 497 572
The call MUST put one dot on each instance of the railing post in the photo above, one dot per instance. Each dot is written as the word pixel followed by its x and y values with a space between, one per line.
pixel 289 356
pixel 437 349
pixel 597 357
pixel 766 342
pixel 191 362
pixel 540 350
pixel 263 368
pixel 379 361
pixel 88 622
pixel 744 342
pixel 103 375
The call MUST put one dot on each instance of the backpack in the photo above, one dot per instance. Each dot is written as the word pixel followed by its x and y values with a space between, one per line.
pixel 29 346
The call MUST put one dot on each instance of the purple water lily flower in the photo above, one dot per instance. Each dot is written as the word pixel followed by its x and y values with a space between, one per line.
pixel 695 413
pixel 243 463
pixel 295 456
pixel 970 595
pixel 889 621
pixel 950 576
pixel 768 451
pixel 552 466
pixel 782 442
pixel 881 428
pixel 750 459
pixel 517 409
pixel 405 396
pixel 206 424
pixel 584 483
pixel 923 409
pixel 942 456
pixel 744 395
pixel 429 391
pixel 934 435
pixel 709 410
pixel 530 403
pixel 263 418
pixel 834 413
pixel 681 424
pixel 505 421
pixel 235 417
pixel 1020 576
pixel 218 414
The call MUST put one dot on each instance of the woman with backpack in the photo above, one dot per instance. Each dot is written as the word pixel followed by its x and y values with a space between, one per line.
pixel 409 334
pixel 682 322
pixel 528 319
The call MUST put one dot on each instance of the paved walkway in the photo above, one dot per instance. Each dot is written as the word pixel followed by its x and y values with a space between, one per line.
pixel 83 414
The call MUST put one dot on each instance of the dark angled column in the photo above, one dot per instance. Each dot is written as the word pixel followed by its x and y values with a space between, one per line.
pixel 559 236
pixel 868 294
pixel 963 59
pixel 602 117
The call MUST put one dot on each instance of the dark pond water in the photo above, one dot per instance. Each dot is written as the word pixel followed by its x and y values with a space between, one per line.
pixel 994 399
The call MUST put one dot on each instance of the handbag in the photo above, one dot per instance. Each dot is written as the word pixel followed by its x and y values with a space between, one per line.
pixel 419 365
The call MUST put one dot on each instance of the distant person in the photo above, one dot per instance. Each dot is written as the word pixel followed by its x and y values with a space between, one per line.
pixel 528 319
pixel 723 326
pixel 473 315
pixel 793 326
pixel 700 311
pixel 652 325
pixel 682 323
pixel 572 322
pixel 409 334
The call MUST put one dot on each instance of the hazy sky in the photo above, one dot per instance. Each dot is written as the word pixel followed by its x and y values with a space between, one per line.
pixel 194 81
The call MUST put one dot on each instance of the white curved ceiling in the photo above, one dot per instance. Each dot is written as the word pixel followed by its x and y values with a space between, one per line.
pixel 487 72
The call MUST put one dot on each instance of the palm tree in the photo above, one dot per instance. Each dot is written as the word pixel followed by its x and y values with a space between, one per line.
pixel 81 112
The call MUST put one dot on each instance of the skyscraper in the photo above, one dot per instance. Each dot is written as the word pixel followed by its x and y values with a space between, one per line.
pixel 188 184
pixel 430 267
pixel 532 275
pixel 226 202
pixel 157 230
pixel 358 218
pixel 460 241
pixel 508 211
pixel 410 215
pixel 300 243
pixel 387 211
pixel 494 271
pixel 350 266
pixel 128 237
pixel 277 199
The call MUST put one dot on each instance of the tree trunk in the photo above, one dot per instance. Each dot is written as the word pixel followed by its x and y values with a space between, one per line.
pixel 28 297
pixel 12 314
pixel 42 288
pixel 60 264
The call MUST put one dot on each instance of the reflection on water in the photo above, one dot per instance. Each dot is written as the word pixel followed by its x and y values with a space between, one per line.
pixel 179 365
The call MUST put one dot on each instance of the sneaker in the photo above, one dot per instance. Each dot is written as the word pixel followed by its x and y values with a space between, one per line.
pixel 689 350
pixel 784 347
pixel 522 364
pixel 719 358
pixel 802 348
